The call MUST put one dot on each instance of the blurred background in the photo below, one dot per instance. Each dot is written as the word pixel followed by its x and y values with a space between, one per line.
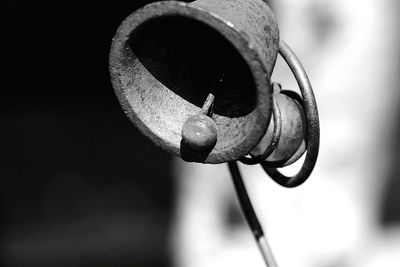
pixel 81 187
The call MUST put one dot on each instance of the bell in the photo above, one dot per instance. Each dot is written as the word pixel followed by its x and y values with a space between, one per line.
pixel 168 57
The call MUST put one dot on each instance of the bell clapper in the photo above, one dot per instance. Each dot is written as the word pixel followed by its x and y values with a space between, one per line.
pixel 199 132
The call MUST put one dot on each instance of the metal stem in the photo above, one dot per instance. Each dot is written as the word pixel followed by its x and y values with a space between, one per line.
pixel 207 108
pixel 251 216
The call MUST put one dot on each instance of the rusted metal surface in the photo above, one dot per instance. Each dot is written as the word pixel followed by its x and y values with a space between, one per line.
pixel 166 57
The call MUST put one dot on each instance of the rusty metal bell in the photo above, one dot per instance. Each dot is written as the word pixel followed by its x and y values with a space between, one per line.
pixel 167 57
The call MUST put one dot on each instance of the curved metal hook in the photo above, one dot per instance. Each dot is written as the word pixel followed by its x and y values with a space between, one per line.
pixel 312 121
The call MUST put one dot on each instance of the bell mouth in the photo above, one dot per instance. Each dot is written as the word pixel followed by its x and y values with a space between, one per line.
pixel 193 60
pixel 165 60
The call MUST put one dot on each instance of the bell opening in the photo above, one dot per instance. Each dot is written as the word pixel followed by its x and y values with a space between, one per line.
pixel 191 58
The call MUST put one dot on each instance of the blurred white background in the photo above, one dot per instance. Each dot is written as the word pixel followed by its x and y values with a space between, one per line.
pixel 350 50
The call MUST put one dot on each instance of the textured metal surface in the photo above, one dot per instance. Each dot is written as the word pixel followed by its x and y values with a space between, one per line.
pixel 166 57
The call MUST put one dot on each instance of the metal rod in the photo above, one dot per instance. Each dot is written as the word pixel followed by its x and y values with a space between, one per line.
pixel 208 105
pixel 207 108
pixel 250 215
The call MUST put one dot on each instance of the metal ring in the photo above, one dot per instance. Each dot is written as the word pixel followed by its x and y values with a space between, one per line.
pixel 276 135
pixel 312 123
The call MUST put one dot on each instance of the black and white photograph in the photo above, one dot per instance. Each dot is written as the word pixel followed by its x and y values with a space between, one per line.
pixel 206 133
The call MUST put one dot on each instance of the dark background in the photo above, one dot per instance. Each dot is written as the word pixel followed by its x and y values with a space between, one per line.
pixel 79 185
